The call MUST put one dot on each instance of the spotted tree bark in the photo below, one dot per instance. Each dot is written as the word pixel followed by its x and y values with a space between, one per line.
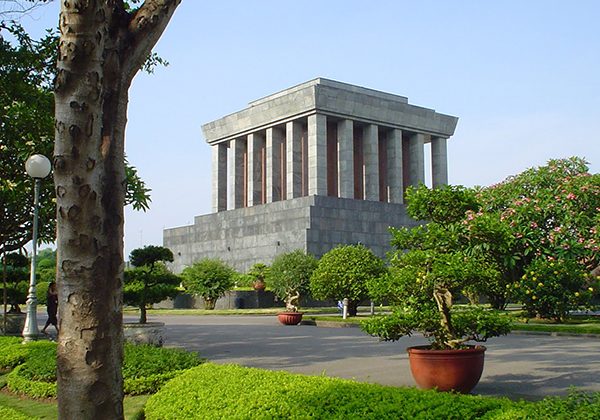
pixel 102 47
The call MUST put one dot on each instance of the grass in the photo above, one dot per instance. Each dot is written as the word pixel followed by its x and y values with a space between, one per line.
pixel 49 409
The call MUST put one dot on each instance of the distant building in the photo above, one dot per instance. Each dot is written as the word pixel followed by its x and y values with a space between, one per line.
pixel 316 165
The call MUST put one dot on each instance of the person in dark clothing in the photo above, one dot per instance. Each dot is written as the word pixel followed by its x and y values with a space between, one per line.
pixel 51 307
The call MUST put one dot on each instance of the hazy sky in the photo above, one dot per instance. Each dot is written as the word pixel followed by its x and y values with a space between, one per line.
pixel 522 76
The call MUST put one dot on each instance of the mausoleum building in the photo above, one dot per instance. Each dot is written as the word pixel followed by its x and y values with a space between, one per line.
pixel 316 165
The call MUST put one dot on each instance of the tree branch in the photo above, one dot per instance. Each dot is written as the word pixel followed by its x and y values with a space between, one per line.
pixel 145 28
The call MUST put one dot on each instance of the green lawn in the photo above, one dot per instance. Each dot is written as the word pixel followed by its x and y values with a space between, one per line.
pixel 48 409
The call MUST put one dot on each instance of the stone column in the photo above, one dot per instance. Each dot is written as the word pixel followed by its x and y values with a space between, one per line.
pixel 317 154
pixel 256 143
pixel 371 161
pixel 345 132
pixel 273 170
pixel 416 156
pixel 439 162
pixel 394 166
pixel 238 176
pixel 293 133
pixel 219 177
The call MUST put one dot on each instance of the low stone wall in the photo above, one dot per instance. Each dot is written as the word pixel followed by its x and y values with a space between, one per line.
pixel 237 299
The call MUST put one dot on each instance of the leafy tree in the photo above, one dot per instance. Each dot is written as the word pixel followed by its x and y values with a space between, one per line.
pixel 209 278
pixel 102 47
pixel 546 213
pixel 289 276
pixel 343 272
pixel 428 268
pixel 27 68
pixel 150 281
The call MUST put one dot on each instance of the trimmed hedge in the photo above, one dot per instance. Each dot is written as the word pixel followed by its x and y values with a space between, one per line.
pixel 145 369
pixel 229 391
pixel 13 352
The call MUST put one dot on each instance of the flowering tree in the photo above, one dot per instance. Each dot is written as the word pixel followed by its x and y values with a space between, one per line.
pixel 547 214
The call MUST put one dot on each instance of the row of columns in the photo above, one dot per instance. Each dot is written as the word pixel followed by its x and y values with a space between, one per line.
pixel 315 156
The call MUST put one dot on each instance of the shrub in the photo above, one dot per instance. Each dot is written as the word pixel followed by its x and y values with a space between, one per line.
pixel 13 352
pixel 41 292
pixel 343 272
pixel 229 391
pixel 289 276
pixel 209 278
pixel 17 280
pixel 551 288
pixel 145 369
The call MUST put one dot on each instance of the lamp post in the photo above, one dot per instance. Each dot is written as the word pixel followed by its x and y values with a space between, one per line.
pixel 37 167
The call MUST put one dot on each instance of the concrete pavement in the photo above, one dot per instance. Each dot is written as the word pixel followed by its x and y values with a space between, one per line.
pixel 517 365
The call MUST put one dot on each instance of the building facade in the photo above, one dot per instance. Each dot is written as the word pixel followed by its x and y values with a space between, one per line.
pixel 317 165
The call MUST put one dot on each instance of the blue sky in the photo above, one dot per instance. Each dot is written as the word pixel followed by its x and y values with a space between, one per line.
pixel 522 76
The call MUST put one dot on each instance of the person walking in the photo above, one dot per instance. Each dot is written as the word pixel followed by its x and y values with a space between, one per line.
pixel 51 307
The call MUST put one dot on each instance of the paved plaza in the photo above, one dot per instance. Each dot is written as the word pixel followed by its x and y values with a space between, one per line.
pixel 518 365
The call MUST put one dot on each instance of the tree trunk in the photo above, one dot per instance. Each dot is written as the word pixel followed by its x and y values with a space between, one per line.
pixel 143 318
pixel 353 307
pixel 101 49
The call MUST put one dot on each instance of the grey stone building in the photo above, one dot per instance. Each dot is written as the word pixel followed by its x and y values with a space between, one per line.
pixel 316 165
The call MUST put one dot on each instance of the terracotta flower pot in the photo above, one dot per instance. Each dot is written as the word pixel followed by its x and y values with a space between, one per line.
pixel 290 318
pixel 259 285
pixel 446 370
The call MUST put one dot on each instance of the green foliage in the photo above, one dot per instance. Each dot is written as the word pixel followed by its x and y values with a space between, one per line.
pixel 13 352
pixel 17 280
pixel 209 278
pixel 551 288
pixel 289 276
pixel 229 391
pixel 550 211
pixel 431 265
pixel 150 255
pixel 150 281
pixel 145 369
pixel 446 204
pixel 258 273
pixel 41 292
pixel 343 272
pixel 10 413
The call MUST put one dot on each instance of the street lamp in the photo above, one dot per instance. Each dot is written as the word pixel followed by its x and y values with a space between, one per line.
pixel 37 167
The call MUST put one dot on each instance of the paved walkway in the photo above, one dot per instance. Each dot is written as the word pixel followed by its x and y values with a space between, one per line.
pixel 517 365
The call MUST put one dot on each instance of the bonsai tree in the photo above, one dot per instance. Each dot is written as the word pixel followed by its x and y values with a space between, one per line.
pixel 16 282
pixel 150 281
pixel 210 279
pixel 429 268
pixel 289 277
pixel 343 272
pixel 258 272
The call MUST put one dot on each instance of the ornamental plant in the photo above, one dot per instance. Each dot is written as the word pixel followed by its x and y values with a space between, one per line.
pixel 209 278
pixel 343 272
pixel 428 269
pixel 550 288
pixel 150 281
pixel 289 277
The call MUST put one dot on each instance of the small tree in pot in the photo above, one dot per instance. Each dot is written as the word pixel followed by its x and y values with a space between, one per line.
pixel 150 281
pixel 289 279
pixel 258 272
pixel 343 272
pixel 210 279
pixel 430 266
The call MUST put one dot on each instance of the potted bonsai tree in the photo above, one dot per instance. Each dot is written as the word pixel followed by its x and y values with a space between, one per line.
pixel 258 273
pixel 210 279
pixel 343 272
pixel 429 268
pixel 289 278
pixel 148 282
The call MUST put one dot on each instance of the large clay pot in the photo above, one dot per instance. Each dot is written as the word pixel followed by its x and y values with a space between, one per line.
pixel 290 318
pixel 446 370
